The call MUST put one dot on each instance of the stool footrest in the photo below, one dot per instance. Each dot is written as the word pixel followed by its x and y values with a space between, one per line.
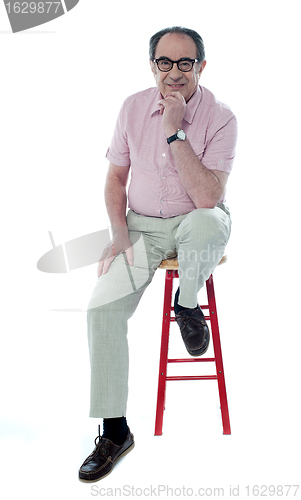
pixel 188 360
pixel 193 377
pixel 172 318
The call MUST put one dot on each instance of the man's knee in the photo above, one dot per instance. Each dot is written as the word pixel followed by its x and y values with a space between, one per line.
pixel 203 236
pixel 205 224
pixel 203 218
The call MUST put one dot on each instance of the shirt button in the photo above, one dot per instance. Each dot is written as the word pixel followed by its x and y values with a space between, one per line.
pixel 163 154
pixel 163 178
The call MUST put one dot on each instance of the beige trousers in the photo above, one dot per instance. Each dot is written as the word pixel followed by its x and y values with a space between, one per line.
pixel 199 239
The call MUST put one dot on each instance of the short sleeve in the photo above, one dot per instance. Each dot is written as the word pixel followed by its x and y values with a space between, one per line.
pixel 220 150
pixel 118 152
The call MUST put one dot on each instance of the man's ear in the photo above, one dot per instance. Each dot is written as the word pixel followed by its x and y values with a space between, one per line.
pixel 153 67
pixel 202 67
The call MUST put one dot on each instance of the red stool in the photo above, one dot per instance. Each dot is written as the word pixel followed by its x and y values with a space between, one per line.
pixel 171 266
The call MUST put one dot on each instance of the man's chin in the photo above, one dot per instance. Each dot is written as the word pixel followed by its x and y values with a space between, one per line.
pixel 169 89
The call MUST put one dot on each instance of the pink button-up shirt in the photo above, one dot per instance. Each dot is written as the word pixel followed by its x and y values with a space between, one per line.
pixel 139 141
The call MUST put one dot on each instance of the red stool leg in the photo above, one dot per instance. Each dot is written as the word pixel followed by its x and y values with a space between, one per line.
pixel 218 356
pixel 164 352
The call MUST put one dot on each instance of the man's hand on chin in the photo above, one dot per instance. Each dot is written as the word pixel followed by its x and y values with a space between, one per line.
pixel 173 108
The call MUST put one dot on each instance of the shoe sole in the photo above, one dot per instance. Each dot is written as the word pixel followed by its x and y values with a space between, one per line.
pixel 200 354
pixel 115 462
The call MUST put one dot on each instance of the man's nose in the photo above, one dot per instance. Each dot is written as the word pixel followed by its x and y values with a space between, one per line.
pixel 175 73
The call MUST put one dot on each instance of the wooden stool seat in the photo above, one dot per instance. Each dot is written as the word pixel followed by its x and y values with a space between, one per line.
pixel 173 264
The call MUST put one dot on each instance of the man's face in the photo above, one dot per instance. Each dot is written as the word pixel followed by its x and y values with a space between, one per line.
pixel 175 46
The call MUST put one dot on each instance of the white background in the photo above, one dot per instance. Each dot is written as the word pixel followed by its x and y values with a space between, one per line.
pixel 62 85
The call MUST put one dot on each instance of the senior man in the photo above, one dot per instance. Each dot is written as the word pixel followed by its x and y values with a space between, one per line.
pixel 178 142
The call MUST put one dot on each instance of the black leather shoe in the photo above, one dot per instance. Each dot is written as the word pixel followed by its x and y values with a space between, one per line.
pixel 194 330
pixel 104 457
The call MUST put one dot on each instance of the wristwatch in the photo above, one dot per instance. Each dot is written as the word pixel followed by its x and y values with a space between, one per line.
pixel 178 136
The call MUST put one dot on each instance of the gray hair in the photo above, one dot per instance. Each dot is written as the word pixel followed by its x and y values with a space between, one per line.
pixel 182 31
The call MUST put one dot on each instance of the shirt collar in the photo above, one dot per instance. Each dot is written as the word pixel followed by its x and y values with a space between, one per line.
pixel 191 107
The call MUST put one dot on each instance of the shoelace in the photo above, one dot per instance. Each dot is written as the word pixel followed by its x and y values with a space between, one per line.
pixel 192 319
pixel 103 448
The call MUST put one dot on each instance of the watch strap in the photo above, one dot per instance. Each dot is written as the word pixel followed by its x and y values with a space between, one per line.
pixel 179 135
pixel 172 138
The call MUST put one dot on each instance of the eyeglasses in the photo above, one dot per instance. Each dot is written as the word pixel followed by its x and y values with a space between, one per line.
pixel 185 64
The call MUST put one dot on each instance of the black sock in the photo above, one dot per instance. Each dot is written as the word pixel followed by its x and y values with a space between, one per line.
pixel 115 429
pixel 177 306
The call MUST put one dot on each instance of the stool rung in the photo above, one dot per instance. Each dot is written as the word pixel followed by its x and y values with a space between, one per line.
pixel 202 307
pixel 188 360
pixel 193 377
pixel 172 318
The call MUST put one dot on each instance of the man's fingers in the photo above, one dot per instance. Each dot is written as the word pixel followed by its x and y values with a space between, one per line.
pixel 107 264
pixel 130 255
pixel 109 255
pixel 103 264
pixel 100 268
pixel 161 107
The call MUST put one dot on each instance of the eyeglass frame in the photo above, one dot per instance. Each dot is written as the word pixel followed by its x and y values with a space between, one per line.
pixel 193 61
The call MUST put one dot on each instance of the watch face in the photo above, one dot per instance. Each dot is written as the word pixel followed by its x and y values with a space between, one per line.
pixel 181 135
